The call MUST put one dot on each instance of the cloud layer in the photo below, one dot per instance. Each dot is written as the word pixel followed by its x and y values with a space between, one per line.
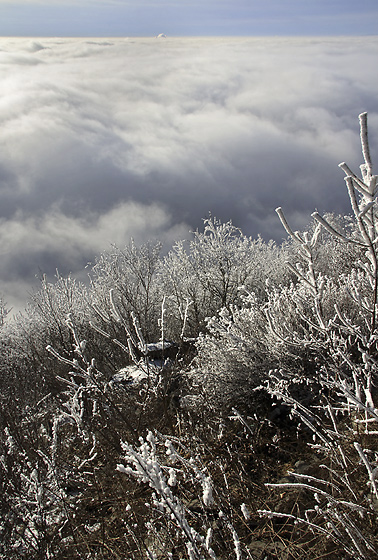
pixel 106 139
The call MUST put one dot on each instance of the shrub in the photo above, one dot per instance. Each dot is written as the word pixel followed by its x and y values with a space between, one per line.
pixel 343 342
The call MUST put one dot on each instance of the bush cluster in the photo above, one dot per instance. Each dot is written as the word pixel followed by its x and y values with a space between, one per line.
pixel 217 401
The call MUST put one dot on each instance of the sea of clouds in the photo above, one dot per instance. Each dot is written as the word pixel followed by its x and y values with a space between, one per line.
pixel 106 139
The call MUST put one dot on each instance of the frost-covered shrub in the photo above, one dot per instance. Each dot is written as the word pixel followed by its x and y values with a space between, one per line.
pixel 145 465
pixel 27 371
pixel 318 337
pixel 44 319
pixel 271 319
pixel 331 255
pixel 191 509
pixel 204 275
pixel 130 273
pixel 232 355
pixel 25 368
pixel 343 342
pixel 49 307
pixel 37 512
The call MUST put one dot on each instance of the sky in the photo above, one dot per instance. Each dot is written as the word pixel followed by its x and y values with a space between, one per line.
pixel 111 18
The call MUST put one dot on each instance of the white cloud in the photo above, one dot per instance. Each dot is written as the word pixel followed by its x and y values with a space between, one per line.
pixel 171 129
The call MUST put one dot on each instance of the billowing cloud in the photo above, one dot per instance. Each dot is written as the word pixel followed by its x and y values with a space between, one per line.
pixel 103 139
